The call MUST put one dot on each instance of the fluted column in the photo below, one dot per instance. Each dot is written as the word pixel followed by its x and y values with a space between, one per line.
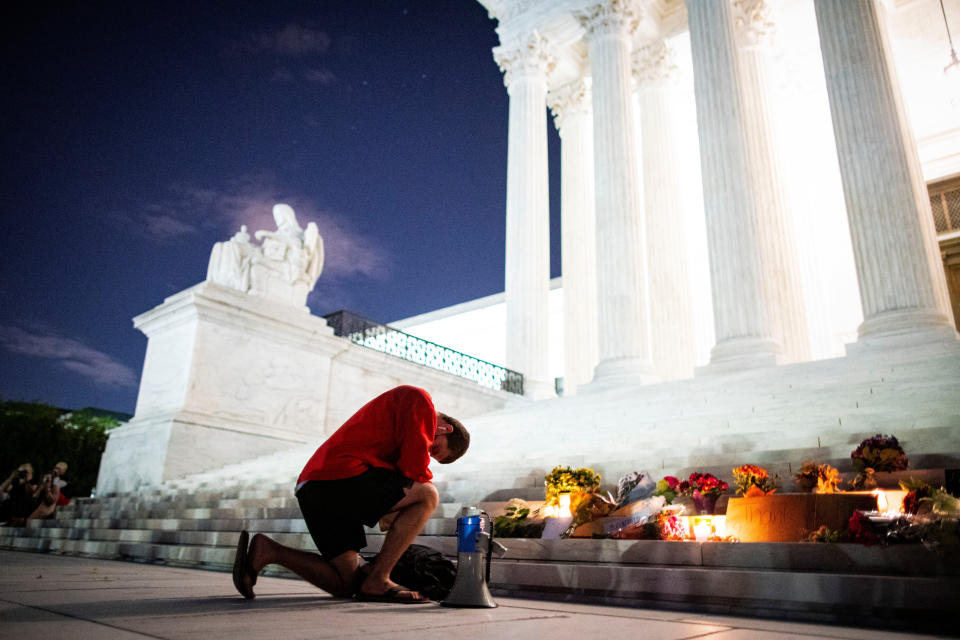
pixel 902 286
pixel 671 309
pixel 778 253
pixel 744 333
pixel 572 116
pixel 622 290
pixel 527 284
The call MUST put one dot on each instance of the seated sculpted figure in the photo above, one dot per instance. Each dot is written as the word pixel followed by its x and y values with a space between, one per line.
pixel 230 261
pixel 284 267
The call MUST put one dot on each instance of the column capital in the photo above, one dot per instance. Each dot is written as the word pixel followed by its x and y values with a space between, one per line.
pixel 654 65
pixel 530 57
pixel 571 100
pixel 752 22
pixel 617 18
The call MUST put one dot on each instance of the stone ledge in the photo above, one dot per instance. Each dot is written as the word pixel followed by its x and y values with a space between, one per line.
pixel 778 592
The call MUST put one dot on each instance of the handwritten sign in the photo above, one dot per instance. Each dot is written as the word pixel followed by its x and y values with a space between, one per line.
pixel 789 517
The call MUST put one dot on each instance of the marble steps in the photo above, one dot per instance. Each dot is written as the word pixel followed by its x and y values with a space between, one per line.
pixel 729 432
pixel 267 471
pixel 434 526
pixel 201 530
pixel 237 490
pixel 220 537
pixel 814 596
pixel 799 581
pixel 276 508
pixel 923 447
pixel 168 504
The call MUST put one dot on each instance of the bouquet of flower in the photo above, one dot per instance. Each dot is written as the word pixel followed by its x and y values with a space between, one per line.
pixel 820 478
pixel 577 482
pixel 705 484
pixel 862 530
pixel 669 487
pixel 753 481
pixel 670 527
pixel 880 453
pixel 625 485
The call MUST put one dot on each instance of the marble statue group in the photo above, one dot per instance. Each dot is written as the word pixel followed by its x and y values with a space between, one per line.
pixel 283 268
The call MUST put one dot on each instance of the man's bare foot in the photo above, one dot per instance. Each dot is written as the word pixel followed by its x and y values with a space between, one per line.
pixel 376 590
pixel 256 558
pixel 254 564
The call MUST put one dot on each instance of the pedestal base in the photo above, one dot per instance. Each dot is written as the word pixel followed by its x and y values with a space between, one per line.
pixel 739 354
pixel 911 328
pixel 620 372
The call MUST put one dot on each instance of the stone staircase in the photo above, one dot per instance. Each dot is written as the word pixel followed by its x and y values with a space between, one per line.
pixel 775 417
pixel 195 522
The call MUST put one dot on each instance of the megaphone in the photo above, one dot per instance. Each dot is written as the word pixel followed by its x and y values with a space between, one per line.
pixel 470 586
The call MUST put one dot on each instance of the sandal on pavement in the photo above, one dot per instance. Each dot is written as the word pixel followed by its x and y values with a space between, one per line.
pixel 392 594
pixel 241 567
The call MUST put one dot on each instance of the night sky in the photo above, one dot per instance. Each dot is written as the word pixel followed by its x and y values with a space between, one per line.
pixel 136 134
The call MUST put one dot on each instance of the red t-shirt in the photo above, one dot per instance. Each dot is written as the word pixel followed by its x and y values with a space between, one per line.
pixel 392 431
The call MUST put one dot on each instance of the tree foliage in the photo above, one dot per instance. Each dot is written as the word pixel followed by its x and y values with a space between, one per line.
pixel 43 435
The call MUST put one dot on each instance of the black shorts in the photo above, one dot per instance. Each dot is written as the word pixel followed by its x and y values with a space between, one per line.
pixel 336 510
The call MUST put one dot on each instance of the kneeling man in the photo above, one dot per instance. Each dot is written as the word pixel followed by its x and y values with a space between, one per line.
pixel 375 464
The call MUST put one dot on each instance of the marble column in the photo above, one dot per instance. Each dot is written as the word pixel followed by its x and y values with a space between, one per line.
pixel 778 252
pixel 525 66
pixel 622 289
pixel 572 116
pixel 744 331
pixel 671 309
pixel 902 286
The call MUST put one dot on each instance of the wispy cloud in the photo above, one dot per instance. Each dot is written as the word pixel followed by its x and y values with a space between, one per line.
pixel 161 223
pixel 292 40
pixel 323 77
pixel 68 354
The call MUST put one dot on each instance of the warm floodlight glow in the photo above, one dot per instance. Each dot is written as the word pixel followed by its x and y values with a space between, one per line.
pixel 704 528
pixel 560 510
pixel 881 500
pixel 889 501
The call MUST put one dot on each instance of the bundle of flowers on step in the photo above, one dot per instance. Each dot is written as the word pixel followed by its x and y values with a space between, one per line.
pixel 518 521
pixel 670 527
pixel 880 453
pixel 579 483
pixel 705 484
pixel 627 485
pixel 819 478
pixel 753 481
pixel 669 487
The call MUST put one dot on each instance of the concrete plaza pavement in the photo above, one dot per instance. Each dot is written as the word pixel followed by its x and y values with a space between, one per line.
pixel 81 598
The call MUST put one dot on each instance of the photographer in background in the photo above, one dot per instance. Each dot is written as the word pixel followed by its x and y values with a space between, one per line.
pixel 16 493
pixel 47 496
